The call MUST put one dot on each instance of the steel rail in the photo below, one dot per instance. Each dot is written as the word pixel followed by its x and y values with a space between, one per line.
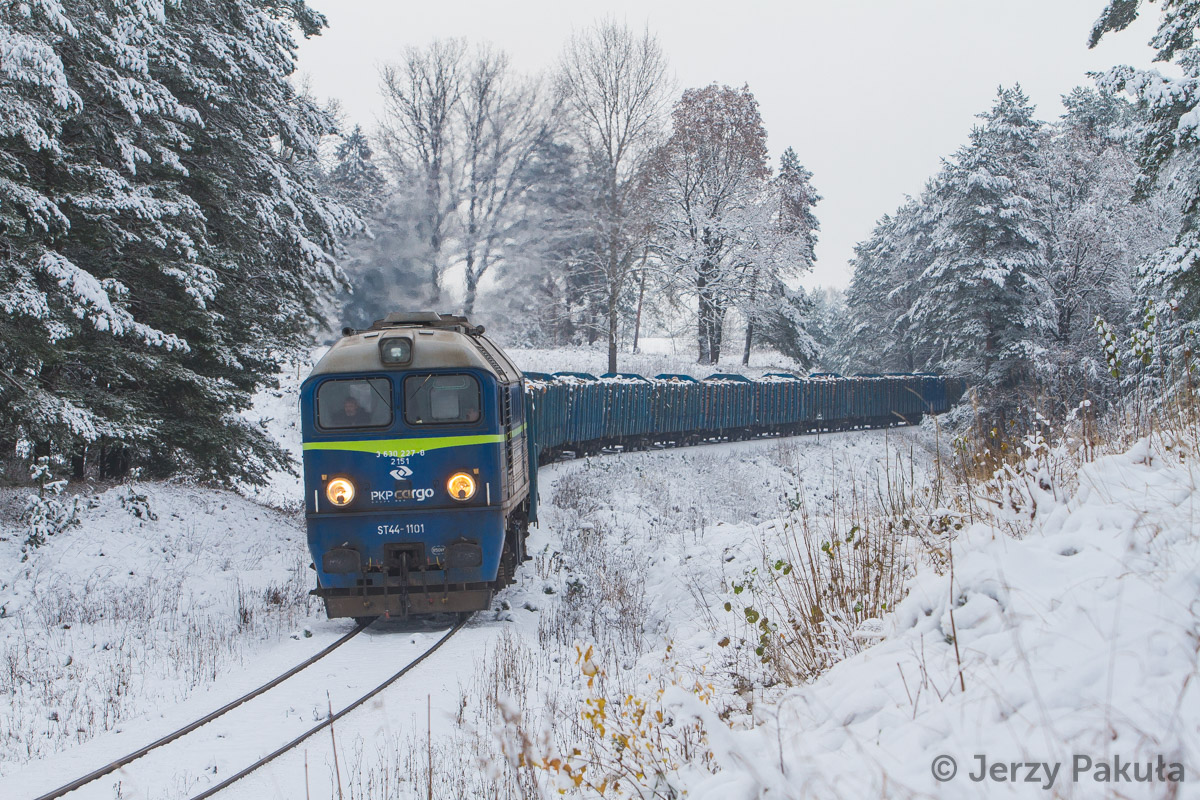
pixel 225 784
pixel 170 737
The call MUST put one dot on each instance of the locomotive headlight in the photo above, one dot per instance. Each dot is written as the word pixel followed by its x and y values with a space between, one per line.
pixel 340 491
pixel 461 486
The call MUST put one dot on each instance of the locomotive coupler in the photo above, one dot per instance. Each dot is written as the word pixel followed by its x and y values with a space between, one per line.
pixel 404 567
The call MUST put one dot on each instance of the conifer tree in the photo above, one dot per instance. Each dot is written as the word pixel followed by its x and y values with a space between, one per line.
pixel 884 288
pixel 164 240
pixel 984 303
pixel 383 263
pixel 1168 141
pixel 788 244
pixel 355 179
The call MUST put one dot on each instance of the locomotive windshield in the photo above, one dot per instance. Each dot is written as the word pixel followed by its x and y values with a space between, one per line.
pixel 441 399
pixel 355 403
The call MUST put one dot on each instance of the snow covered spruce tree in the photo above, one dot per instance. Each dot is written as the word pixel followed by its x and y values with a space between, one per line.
pixel 355 179
pixel 885 285
pixel 1168 155
pixel 162 242
pixel 786 248
pixel 383 262
pixel 828 326
pixel 1070 215
pixel 984 304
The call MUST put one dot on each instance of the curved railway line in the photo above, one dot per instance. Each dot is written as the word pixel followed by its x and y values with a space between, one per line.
pixel 182 732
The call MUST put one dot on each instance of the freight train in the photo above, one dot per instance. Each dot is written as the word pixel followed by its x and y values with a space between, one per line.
pixel 422 441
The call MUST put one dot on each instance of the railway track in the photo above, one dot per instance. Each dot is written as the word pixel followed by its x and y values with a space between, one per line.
pixel 262 690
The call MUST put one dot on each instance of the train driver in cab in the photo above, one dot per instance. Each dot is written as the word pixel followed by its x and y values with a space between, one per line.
pixel 352 414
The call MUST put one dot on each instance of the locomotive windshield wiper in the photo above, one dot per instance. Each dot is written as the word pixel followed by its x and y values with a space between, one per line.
pixel 410 395
pixel 378 393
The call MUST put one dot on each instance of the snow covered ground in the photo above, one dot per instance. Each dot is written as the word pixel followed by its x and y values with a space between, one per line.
pixel 138 608
pixel 1067 632
pixel 1077 646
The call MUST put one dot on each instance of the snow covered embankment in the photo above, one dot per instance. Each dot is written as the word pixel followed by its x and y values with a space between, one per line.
pixel 1078 647
pixel 161 592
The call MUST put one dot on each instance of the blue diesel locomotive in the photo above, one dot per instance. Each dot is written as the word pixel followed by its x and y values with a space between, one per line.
pixel 416 469
pixel 422 441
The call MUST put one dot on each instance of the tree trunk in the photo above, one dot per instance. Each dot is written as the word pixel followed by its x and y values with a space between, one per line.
pixel 612 336
pixel 470 275
pixel 434 199
pixel 616 276
pixel 435 288
pixel 703 326
pixel 113 462
pixel 750 318
pixel 718 334
pixel 637 320
pixel 472 284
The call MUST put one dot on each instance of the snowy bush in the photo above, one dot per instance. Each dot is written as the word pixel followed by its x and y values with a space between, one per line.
pixel 135 502
pixel 48 513
pixel 633 745
pixel 827 578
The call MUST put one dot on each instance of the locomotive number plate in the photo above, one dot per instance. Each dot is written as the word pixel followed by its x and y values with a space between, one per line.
pixel 399 457
pixel 407 529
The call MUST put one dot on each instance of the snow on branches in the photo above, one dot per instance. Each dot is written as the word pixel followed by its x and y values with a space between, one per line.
pixel 162 220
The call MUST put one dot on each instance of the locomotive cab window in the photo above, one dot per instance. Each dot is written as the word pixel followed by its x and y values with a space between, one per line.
pixel 355 403
pixel 441 399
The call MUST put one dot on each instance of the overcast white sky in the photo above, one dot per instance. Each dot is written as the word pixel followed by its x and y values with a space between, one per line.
pixel 870 93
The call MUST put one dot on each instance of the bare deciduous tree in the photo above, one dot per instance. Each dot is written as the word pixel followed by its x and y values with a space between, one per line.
pixel 507 120
pixel 614 83
pixel 420 97
pixel 462 129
